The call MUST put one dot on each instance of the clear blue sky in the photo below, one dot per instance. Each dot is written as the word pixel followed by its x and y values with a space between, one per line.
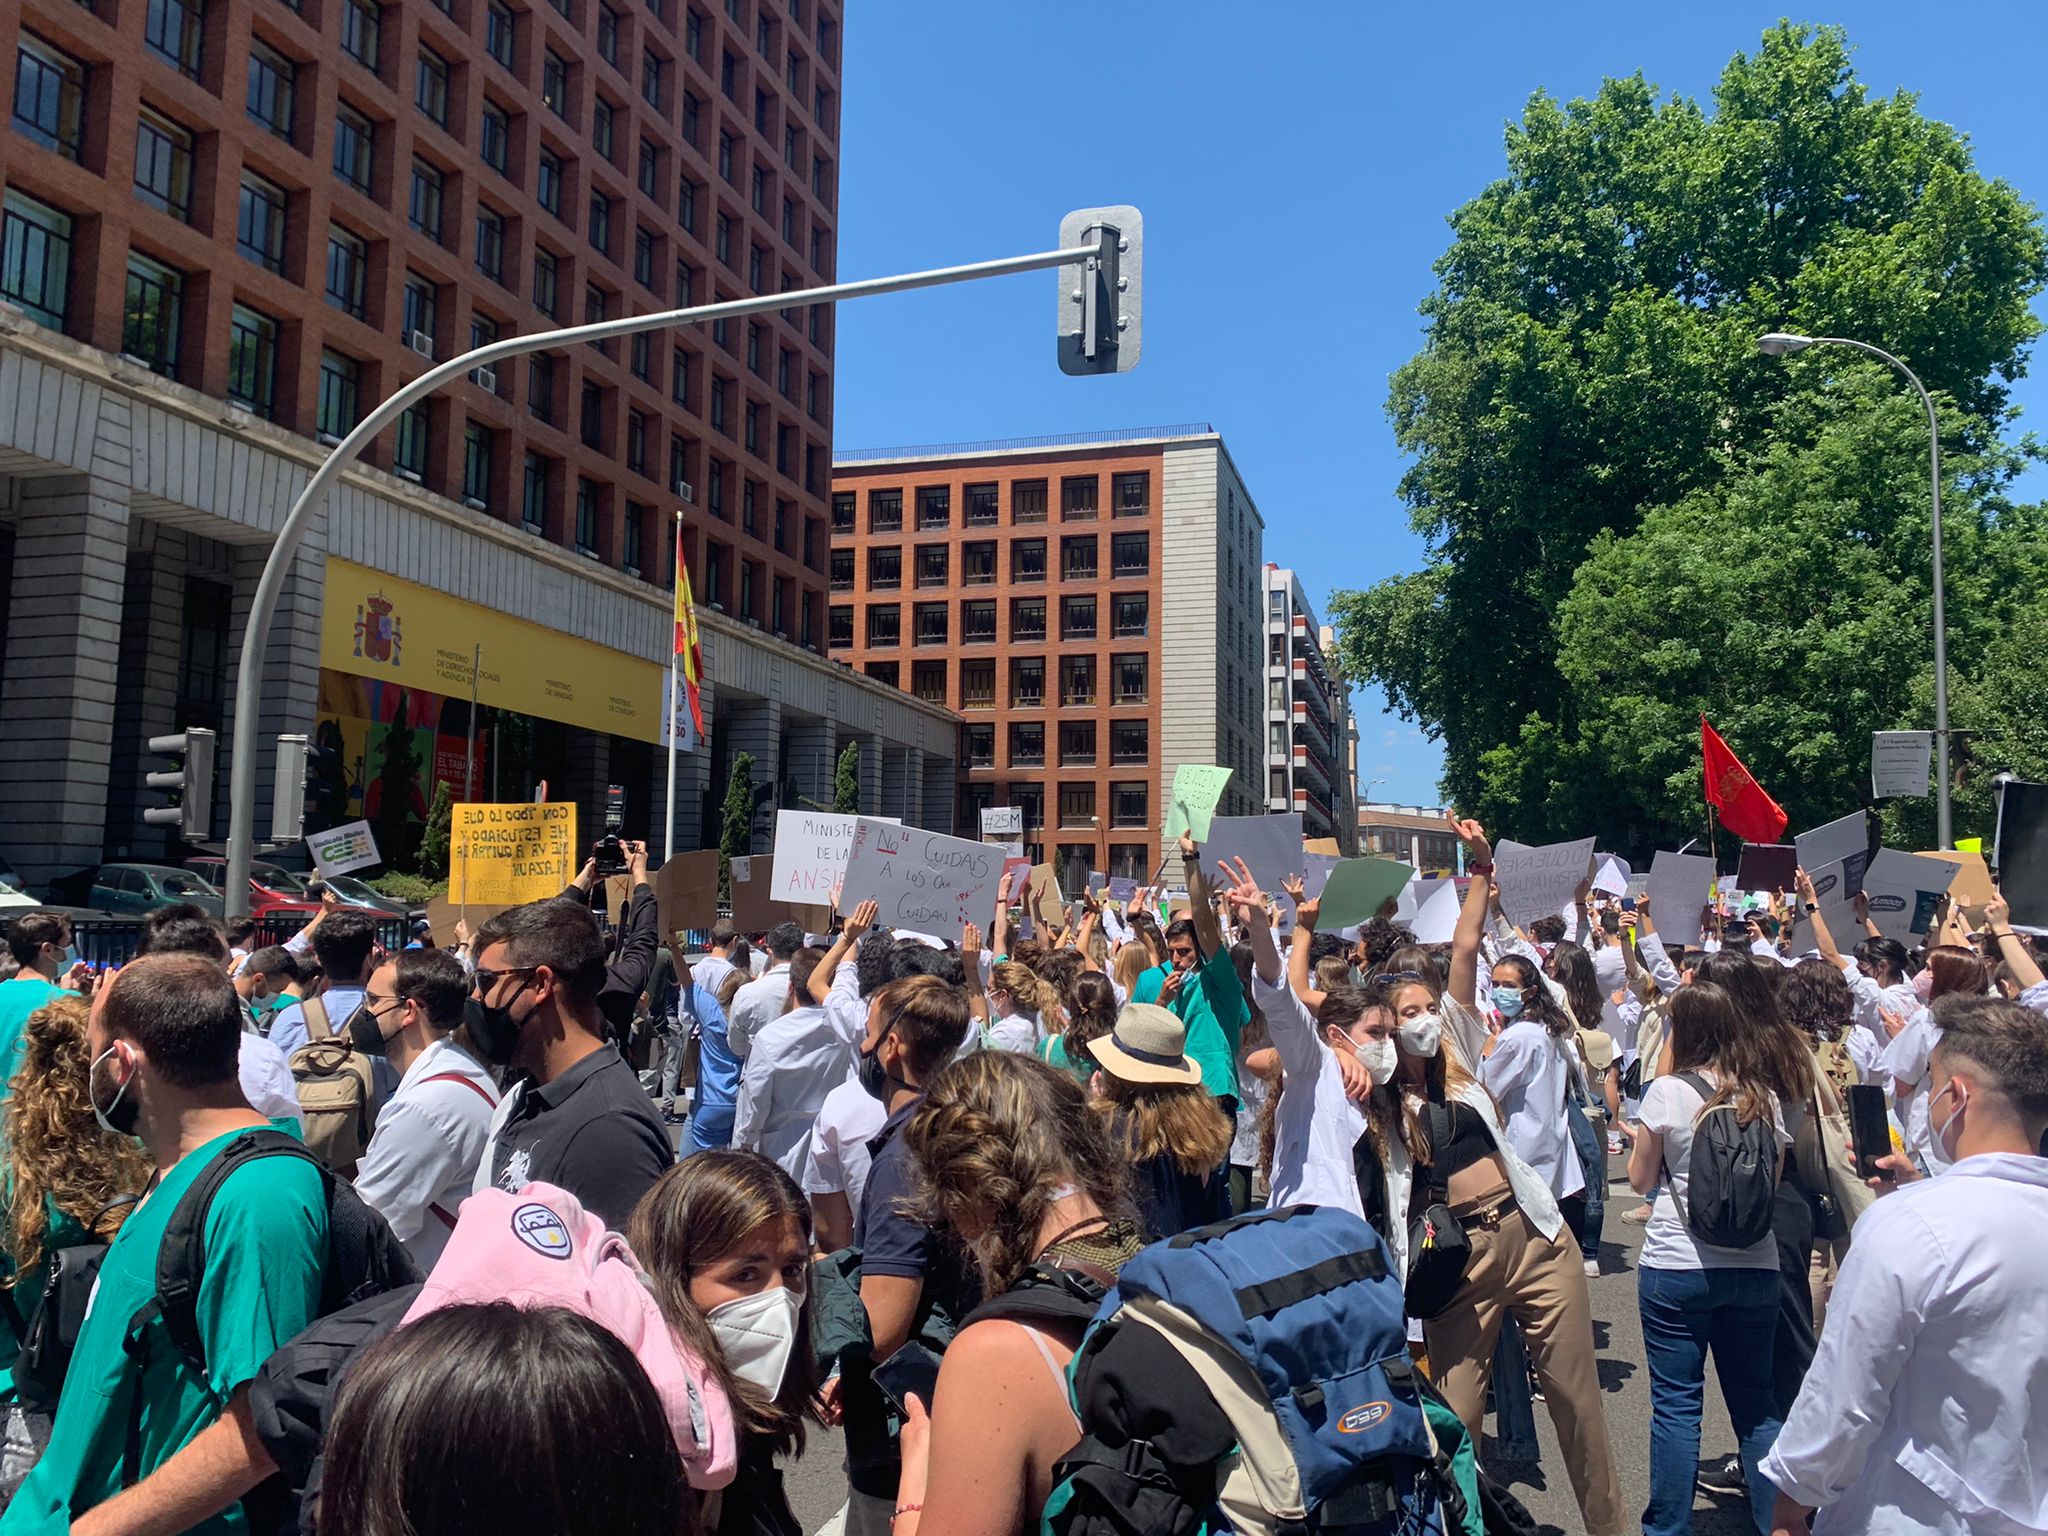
pixel 1337 135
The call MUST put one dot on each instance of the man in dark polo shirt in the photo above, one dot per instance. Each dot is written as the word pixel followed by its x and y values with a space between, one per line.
pixel 574 1114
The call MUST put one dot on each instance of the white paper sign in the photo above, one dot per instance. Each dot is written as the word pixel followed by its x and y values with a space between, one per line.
pixel 743 869
pixel 1002 821
pixel 1903 889
pixel 1678 889
pixel 1437 917
pixel 810 855
pixel 1536 882
pixel 1315 872
pixel 338 850
pixel 1898 762
pixel 1613 876
pixel 921 880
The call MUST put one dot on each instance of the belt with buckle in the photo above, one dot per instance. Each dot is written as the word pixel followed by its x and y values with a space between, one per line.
pixel 1489 1215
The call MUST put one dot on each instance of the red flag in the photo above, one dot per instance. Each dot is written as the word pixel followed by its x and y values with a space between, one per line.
pixel 1745 809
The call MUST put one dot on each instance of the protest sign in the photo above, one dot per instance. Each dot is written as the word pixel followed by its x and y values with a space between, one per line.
pixel 922 880
pixel 1904 889
pixel 1358 888
pixel 1437 916
pixel 508 854
pixel 743 868
pixel 1767 866
pixel 810 854
pixel 1196 789
pixel 1326 847
pixel 1002 821
pixel 754 904
pixel 686 892
pixel 1315 872
pixel 1121 889
pixel 1679 889
pixel 1269 845
pixel 1973 885
pixel 2022 846
pixel 443 915
pixel 1044 901
pixel 1612 876
pixel 1537 882
pixel 343 849
pixel 1898 762
pixel 1844 841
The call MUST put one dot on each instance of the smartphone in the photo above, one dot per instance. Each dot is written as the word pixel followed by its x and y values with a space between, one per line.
pixel 1870 1134
pixel 315 889
pixel 913 1369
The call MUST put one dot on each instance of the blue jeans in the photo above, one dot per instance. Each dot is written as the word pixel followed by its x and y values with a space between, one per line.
pixel 1593 1161
pixel 1685 1311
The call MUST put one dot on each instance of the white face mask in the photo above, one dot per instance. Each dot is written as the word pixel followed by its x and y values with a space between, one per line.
pixel 1377 1057
pixel 757 1333
pixel 1422 1033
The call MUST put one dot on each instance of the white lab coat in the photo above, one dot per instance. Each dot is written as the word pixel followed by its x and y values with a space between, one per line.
pixel 422 1159
pixel 1528 1073
pixel 1923 1410
pixel 761 1000
pixel 1868 1040
pixel 795 1062
pixel 1015 1032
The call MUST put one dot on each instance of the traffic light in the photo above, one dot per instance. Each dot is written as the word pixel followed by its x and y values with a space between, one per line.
pixel 1099 299
pixel 190 784
pixel 325 802
pixel 288 791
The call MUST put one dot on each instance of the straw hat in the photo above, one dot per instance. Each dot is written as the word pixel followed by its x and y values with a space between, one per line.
pixel 1148 1045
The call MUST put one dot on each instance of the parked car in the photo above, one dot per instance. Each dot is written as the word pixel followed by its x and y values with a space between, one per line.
pixel 13 894
pixel 352 892
pixel 268 883
pixel 132 889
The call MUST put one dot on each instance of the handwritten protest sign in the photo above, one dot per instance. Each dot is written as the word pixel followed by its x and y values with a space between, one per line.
pixel 1357 888
pixel 1197 787
pixel 1002 821
pixel 810 854
pixel 922 880
pixel 1679 888
pixel 443 915
pixel 686 891
pixel 1538 881
pixel 510 854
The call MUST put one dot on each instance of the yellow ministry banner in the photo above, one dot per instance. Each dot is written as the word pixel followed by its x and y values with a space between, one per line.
pixel 377 626
pixel 508 854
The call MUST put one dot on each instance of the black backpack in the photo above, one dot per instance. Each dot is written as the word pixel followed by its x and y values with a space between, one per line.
pixel 1732 1182
pixel 364 1259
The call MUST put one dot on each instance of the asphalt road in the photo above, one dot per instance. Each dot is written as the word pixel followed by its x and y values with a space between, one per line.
pixel 817 1486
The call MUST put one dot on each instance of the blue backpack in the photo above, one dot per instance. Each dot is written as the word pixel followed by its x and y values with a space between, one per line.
pixel 1252 1377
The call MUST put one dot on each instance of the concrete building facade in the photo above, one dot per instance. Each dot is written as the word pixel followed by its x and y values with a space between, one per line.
pixel 1308 732
pixel 1417 835
pixel 229 230
pixel 1089 604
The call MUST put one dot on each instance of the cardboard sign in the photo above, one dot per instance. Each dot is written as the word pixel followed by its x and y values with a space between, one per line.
pixel 1323 847
pixel 743 868
pixel 443 915
pixel 810 854
pixel 1537 882
pixel 1679 889
pixel 1358 888
pixel 1044 902
pixel 1898 762
pixel 1973 885
pixel 509 854
pixel 686 892
pixel 1768 866
pixel 344 849
pixel 1197 787
pixel 922 880
pixel 1002 821
pixel 1904 889
pixel 754 906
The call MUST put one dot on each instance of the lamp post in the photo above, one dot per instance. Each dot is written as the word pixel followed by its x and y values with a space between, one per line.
pixel 1779 344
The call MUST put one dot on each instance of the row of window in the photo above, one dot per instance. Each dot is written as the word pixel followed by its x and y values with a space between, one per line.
pixel 1130 495
pixel 1130 741
pixel 1129 810
pixel 1081 679
pixel 1130 556
pixel 1130 619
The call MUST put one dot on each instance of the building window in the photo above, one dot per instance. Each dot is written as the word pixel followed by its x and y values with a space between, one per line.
pixel 1077 498
pixel 540 387
pixel 361 21
pixel 1130 673
pixel 885 511
pixel 640 353
pixel 1077 618
pixel 679 369
pixel 979 741
pixel 1129 805
pixel 173 30
pixel 252 360
pixel 643 256
pixel 49 96
pixel 884 672
pixel 35 259
pixel 885 624
pixel 1129 741
pixel 715 488
pixel 490 244
pixel 931 623
pixel 259 222
pixel 476 466
pixel 650 167
pixel 885 569
pixel 423 201
pixel 721 240
pixel 842 570
pixel 348 264
pixel 931 565
pixel 1077 558
pixel 554 83
pixel 163 165
pixel 1077 743
pixel 548 186
pixel 1131 494
pixel 842 511
pixel 1027 682
pixel 417 315
pixel 839 626
pixel 1027 501
pixel 495 141
pixel 352 135
pixel 1077 805
pixel 601 122
pixel 1027 560
pixel 533 493
pixel 601 223
pixel 1130 554
pixel 934 506
pixel 636 442
pixel 1027 619
pixel 590 415
pixel 653 72
pixel 1077 682
pixel 586 516
pixel 634 527
pixel 978 685
pixel 498 29
pixel 980 507
pixel 546 286
pixel 1133 609
pixel 271 88
pixel 430 89
pixel 340 389
pixel 1027 746
pixel 409 445
pixel 608 35
pixel 978 621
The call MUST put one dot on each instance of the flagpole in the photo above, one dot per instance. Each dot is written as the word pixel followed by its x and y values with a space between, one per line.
pixel 668 850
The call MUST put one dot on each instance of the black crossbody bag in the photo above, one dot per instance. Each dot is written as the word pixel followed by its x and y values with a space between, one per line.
pixel 50 1333
pixel 1439 1252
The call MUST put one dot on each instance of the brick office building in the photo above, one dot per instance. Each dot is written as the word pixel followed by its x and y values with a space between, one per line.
pixel 231 228
pixel 1090 605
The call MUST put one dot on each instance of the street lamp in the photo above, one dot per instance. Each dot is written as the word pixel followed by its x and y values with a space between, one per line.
pixel 1781 343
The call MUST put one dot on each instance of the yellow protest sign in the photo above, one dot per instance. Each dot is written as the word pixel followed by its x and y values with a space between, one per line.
pixel 509 854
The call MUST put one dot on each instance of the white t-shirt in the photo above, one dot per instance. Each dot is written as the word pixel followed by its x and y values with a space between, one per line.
pixel 1670 1105
pixel 837 1163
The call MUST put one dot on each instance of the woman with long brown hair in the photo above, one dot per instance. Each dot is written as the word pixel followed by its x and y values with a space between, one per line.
pixel 725 1238
pixel 1163 1120
pixel 1011 1157
pixel 1088 1012
pixel 1020 1008
pixel 67 1182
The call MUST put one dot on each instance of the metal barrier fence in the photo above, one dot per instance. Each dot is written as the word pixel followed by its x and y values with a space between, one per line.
pixel 114 940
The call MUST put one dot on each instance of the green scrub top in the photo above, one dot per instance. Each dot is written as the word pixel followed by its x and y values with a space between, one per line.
pixel 1211 1004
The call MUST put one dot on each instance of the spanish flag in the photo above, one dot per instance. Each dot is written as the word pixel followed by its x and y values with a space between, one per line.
pixel 686 634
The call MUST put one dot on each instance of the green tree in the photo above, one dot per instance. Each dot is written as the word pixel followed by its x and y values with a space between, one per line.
pixel 1590 357
pixel 395 820
pixel 846 781
pixel 434 838
pixel 736 821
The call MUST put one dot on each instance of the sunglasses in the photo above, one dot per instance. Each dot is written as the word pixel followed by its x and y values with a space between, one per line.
pixel 483 981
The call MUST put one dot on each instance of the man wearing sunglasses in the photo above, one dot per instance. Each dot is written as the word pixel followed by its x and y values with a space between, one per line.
pixel 574 1113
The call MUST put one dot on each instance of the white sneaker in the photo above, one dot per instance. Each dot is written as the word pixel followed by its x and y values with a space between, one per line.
pixel 1592 1269
pixel 1614 1146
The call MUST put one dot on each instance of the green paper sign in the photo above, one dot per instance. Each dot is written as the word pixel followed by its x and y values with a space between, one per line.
pixel 1357 889
pixel 1197 787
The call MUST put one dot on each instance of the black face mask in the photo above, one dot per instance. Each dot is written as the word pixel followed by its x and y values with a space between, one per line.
pixel 365 1033
pixel 494 1030
pixel 874 1077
